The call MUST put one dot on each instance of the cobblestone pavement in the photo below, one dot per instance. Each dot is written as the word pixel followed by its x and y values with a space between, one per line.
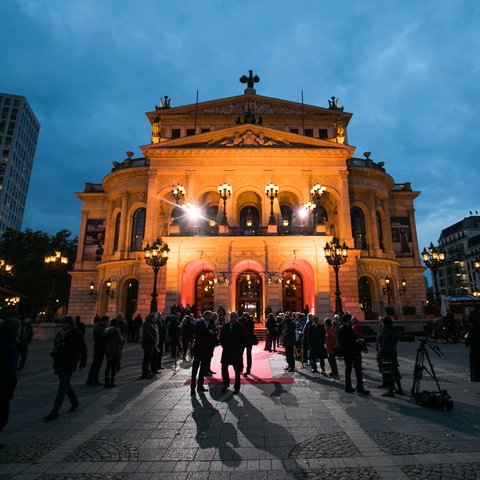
pixel 312 429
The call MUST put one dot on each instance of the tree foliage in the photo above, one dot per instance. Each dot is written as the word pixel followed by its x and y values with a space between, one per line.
pixel 31 278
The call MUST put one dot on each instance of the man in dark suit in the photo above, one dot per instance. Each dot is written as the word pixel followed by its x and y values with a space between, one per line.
pixel 233 340
pixel 201 350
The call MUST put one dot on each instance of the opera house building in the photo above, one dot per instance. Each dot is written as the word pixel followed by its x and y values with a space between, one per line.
pixel 250 202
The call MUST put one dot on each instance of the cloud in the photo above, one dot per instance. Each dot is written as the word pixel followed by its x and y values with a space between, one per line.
pixel 407 71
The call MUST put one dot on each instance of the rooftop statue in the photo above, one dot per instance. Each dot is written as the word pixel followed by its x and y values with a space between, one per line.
pixel 250 80
pixel 333 104
pixel 164 103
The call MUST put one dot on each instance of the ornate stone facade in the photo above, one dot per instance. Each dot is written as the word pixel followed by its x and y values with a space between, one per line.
pixel 238 257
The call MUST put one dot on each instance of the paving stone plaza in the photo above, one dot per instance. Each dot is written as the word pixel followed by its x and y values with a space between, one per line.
pixel 311 429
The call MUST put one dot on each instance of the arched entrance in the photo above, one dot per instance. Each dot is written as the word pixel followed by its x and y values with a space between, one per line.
pixel 204 291
pixel 365 298
pixel 249 294
pixel 292 291
pixel 131 298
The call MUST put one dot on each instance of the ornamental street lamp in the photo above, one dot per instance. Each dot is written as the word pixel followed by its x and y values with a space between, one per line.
pixel 433 259
pixel 336 255
pixel 178 192
pixel 156 256
pixel 316 192
pixel 57 263
pixel 271 191
pixel 109 289
pixel 225 192
pixel 387 289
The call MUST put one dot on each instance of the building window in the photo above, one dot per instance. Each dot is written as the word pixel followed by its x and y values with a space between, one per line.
pixel 138 229
pixel 175 133
pixel 322 133
pixel 294 130
pixel 190 132
pixel 358 228
pixel 309 132
pixel 287 214
pixel 249 219
pixel 381 242
pixel 117 232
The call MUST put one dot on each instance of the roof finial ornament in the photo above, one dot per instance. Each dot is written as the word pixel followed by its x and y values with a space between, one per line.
pixel 250 81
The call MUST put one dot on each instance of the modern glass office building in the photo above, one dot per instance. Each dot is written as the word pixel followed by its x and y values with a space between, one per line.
pixel 19 129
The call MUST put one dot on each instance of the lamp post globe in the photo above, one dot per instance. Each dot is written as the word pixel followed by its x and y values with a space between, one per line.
pixel 433 258
pixel 156 256
pixel 271 191
pixel 336 255
pixel 56 262
pixel 225 192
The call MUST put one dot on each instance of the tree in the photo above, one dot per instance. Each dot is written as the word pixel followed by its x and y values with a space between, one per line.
pixel 31 278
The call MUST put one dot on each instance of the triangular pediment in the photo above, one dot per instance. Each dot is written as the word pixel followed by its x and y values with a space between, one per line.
pixel 259 105
pixel 248 136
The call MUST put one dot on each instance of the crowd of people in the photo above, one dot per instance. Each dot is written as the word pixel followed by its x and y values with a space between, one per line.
pixel 304 337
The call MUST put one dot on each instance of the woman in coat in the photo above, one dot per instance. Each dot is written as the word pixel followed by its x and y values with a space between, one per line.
pixel 114 341
pixel 316 344
pixel 289 338
pixel 330 343
pixel 187 336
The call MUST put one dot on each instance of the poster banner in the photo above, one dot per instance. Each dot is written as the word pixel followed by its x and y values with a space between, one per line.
pixel 94 239
pixel 402 236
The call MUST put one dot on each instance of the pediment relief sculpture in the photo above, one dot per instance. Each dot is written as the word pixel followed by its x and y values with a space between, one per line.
pixel 248 139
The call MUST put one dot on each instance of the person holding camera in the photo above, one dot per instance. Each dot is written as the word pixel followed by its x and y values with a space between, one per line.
pixel 387 353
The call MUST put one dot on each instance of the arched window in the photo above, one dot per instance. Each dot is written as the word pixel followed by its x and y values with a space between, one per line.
pixel 287 214
pixel 177 215
pixel 365 298
pixel 358 228
pixel 116 235
pixel 138 229
pixel 321 215
pixel 380 232
pixel 249 218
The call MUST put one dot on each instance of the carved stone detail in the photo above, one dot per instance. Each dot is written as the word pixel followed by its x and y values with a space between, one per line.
pixel 248 139
pixel 258 108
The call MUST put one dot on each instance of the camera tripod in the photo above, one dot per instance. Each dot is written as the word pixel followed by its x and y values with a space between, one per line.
pixel 440 399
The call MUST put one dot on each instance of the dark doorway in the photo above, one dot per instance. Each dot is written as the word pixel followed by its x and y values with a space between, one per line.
pixel 205 291
pixel 249 295
pixel 131 299
pixel 292 289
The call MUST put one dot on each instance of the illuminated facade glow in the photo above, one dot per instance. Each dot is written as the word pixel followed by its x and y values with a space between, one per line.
pixel 287 180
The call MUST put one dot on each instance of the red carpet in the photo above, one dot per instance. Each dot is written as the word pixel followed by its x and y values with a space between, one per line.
pixel 260 372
